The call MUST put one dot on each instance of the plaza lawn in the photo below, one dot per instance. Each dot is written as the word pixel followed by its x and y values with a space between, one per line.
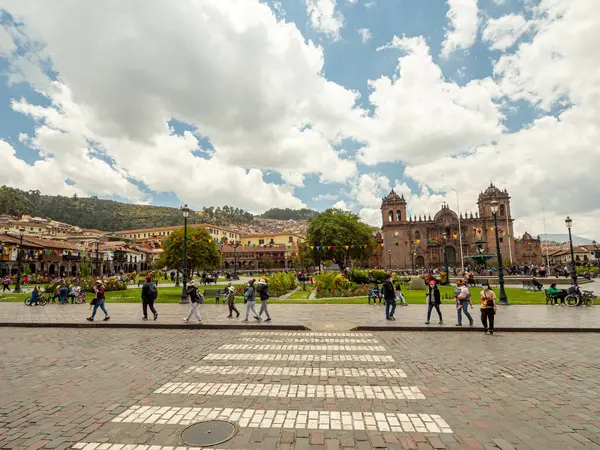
pixel 172 295
pixel 301 294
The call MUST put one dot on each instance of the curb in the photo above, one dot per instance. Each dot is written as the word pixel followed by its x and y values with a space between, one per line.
pixel 164 326
pixel 479 330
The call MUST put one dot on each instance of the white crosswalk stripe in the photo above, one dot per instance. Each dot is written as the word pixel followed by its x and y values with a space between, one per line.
pixel 299 358
pixel 312 340
pixel 322 420
pixel 305 348
pixel 305 334
pixel 298 371
pixel 293 390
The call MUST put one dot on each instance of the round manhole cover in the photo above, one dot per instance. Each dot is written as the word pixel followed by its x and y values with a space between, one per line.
pixel 211 432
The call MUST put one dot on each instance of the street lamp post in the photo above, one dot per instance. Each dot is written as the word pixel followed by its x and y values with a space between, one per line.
pixel 569 223
pixel 503 299
pixel 446 259
pixel 596 252
pixel 19 262
pixel 390 259
pixel 186 212
pixel 235 246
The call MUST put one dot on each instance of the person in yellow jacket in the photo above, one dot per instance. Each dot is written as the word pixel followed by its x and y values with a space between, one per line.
pixel 488 308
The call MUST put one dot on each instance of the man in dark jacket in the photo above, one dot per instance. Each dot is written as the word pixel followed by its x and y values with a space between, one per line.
pixel 389 296
pixel 434 300
pixel 149 294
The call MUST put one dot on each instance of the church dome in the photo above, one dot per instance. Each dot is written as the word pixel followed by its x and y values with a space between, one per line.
pixel 392 198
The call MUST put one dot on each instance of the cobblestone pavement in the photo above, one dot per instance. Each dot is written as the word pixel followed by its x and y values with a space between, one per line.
pixel 315 317
pixel 118 389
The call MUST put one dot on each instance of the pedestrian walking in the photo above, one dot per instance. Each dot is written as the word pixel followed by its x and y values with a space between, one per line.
pixel 6 283
pixel 463 299
pixel 389 296
pixel 434 300
pixel 98 302
pixel 488 309
pixel 399 295
pixel 250 300
pixel 195 299
pixel 230 298
pixel 149 295
pixel 263 292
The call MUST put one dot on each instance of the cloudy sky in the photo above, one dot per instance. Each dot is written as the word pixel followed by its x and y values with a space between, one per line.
pixel 292 103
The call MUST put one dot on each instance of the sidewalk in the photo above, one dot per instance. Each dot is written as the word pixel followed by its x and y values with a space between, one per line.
pixel 306 316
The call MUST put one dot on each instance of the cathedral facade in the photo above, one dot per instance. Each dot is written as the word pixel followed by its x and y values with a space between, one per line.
pixel 420 242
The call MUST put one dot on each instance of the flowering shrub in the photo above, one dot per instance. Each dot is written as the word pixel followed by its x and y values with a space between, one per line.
pixel 379 275
pixel 281 283
pixel 87 284
pixel 359 276
pixel 336 285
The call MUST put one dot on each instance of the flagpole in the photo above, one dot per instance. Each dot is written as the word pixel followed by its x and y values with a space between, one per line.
pixel 509 240
pixel 462 260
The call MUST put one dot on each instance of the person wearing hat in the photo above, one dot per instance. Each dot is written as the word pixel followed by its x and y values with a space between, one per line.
pixel 230 297
pixel 149 295
pixel 434 300
pixel 195 299
pixel 99 301
pixel 75 292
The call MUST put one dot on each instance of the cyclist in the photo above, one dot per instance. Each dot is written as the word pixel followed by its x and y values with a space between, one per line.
pixel 35 296
pixel 75 292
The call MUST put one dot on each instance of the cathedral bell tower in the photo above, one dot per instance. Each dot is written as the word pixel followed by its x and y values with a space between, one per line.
pixel 393 209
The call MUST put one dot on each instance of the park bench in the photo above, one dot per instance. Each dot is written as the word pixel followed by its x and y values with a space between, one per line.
pixel 554 299
pixel 303 279
pixel 477 281
pixel 208 280
pixel 214 293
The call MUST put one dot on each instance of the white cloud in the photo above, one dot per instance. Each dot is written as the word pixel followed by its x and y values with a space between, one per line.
pixel 365 34
pixel 324 17
pixel 462 28
pixel 419 116
pixel 503 32
pixel 7 46
pixel 341 205
pixel 321 197
pixel 280 115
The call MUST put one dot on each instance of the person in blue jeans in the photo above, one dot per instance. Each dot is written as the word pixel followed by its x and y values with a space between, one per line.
pixel 99 301
pixel 389 296
pixel 463 300
pixel 63 292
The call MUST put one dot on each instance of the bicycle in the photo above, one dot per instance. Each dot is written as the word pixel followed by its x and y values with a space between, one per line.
pixel 586 298
pixel 42 300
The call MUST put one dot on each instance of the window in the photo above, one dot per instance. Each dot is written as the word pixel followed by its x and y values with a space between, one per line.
pixel 291 239
pixel 398 216
pixel 448 234
pixel 249 243
pixel 502 210
pixel 144 234
pixel 261 242
pixel 501 239
pixel 417 235
pixel 391 216
pixel 271 242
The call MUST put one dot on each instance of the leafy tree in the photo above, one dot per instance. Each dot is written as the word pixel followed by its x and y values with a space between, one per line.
pixel 337 230
pixel 202 253
pixel 14 202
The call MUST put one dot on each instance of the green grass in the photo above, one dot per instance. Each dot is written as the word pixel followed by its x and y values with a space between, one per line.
pixel 301 295
pixel 172 295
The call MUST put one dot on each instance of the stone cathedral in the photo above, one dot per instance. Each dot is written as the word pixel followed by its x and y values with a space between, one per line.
pixel 420 241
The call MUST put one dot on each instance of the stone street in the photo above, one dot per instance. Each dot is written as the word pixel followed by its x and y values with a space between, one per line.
pixel 339 317
pixel 117 389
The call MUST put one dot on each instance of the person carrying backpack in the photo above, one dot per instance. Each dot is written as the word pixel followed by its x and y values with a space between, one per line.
pixel 389 296
pixel 488 309
pixel 433 300
pixel 149 295
pixel 250 300
pixel 195 299
pixel 263 292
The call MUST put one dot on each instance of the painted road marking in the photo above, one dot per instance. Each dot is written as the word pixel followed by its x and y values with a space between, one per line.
pixel 304 334
pixel 293 390
pixel 313 340
pixel 300 358
pixel 298 371
pixel 270 418
pixel 305 348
